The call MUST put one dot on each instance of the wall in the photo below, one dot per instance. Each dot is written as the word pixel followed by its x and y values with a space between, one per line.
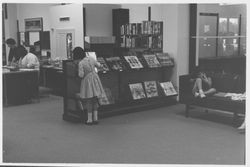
pixel 99 19
pixel 11 24
pixel 34 10
pixel 175 19
pixel 75 12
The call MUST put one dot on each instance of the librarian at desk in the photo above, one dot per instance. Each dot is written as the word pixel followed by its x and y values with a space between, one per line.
pixel 20 81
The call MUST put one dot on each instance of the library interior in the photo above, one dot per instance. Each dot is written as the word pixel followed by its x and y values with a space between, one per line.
pixel 124 83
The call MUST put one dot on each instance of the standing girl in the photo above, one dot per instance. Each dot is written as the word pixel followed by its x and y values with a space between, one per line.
pixel 91 87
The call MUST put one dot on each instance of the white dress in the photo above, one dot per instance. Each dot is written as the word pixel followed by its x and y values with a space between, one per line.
pixel 91 85
pixel 30 60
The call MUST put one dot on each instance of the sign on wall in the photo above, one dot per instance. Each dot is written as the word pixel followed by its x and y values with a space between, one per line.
pixel 34 24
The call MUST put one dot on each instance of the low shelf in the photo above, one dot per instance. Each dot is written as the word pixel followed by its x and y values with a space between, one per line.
pixel 118 83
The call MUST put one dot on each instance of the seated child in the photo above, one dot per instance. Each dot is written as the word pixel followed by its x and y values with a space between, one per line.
pixel 202 85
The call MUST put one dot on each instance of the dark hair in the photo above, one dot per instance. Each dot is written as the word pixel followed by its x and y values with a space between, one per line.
pixel 10 41
pixel 21 52
pixel 78 53
pixel 32 50
pixel 37 43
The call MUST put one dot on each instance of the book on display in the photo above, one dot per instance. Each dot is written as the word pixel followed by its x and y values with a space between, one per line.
pixel 133 62
pixel 164 59
pixel 104 67
pixel 115 63
pixel 151 60
pixel 168 88
pixel 151 89
pixel 137 91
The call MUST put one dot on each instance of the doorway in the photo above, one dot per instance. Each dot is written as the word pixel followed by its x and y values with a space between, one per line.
pixel 65 42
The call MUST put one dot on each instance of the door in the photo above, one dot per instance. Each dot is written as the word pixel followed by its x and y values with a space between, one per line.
pixel 208 35
pixel 65 41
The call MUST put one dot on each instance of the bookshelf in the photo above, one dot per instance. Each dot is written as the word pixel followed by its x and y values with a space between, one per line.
pixel 147 35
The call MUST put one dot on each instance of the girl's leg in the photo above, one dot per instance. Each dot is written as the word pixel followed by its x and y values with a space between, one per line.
pixel 95 109
pixel 198 88
pixel 89 110
pixel 210 91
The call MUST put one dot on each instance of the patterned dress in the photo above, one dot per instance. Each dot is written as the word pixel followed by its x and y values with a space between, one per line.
pixel 91 85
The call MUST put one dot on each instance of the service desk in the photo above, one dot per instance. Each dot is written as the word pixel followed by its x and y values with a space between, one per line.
pixel 20 87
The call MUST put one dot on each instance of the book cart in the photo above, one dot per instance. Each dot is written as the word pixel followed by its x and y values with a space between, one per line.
pixel 130 82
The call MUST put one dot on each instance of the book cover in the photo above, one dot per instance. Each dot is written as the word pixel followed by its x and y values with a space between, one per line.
pixel 133 62
pixel 151 88
pixel 151 60
pixel 164 59
pixel 104 66
pixel 115 63
pixel 91 54
pixel 137 91
pixel 168 88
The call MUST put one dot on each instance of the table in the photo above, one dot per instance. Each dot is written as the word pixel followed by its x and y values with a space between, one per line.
pixel 19 87
pixel 52 77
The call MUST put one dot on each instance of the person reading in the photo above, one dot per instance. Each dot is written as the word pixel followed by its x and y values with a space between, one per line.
pixel 202 85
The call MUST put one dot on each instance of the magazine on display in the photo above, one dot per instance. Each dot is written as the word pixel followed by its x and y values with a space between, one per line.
pixel 104 67
pixel 168 88
pixel 151 89
pixel 151 60
pixel 133 62
pixel 137 91
pixel 164 59
pixel 115 63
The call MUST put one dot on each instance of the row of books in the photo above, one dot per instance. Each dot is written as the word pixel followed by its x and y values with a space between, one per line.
pixel 152 42
pixel 147 60
pixel 149 89
pixel 146 89
pixel 146 27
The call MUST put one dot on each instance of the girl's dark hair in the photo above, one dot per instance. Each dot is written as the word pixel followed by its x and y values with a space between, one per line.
pixel 196 71
pixel 32 50
pixel 10 41
pixel 21 52
pixel 78 53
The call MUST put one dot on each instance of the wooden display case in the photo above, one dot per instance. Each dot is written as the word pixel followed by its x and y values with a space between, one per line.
pixel 118 82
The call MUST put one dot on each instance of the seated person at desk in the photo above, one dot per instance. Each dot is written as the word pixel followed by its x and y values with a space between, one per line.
pixel 29 60
pixel 15 51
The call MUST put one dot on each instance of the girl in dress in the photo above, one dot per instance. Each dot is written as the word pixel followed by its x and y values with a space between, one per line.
pixel 91 87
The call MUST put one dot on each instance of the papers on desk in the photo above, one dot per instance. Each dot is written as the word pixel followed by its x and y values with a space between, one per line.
pixel 27 69
pixel 5 70
pixel 47 66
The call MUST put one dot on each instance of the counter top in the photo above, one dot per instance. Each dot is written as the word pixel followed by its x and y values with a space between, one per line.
pixel 6 70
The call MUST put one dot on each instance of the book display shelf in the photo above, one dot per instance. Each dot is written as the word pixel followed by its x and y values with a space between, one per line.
pixel 133 80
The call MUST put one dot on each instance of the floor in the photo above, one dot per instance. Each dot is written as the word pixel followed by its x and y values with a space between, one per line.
pixel 36 133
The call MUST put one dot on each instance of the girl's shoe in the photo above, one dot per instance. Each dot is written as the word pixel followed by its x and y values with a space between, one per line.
pixel 89 123
pixel 202 95
pixel 95 122
pixel 196 94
